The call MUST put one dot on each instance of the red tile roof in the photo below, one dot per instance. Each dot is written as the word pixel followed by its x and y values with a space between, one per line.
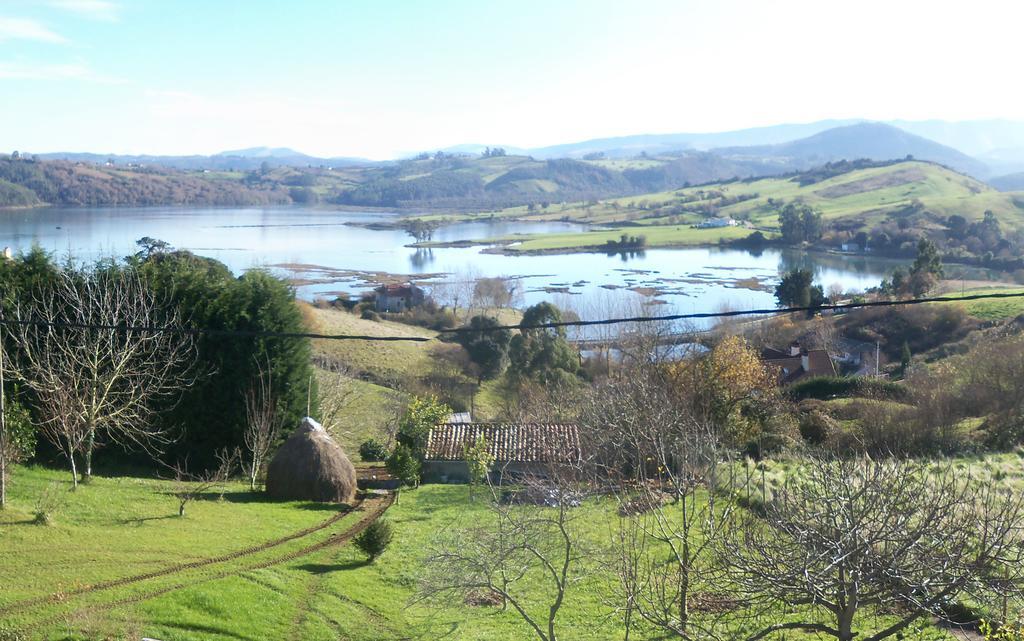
pixel 515 443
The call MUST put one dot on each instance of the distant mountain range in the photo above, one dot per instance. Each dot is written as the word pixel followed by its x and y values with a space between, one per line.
pixel 985 149
pixel 237 160
pixel 876 141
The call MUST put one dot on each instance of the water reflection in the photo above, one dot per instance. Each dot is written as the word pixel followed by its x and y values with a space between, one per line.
pixel 421 258
pixel 626 255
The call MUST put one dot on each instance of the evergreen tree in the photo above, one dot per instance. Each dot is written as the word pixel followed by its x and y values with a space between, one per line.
pixel 375 539
pixel 542 354
pixel 487 349
pixel 797 290
pixel 404 465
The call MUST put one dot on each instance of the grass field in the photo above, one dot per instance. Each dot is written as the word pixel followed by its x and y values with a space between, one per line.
pixel 309 587
pixel 656 237
pixel 996 309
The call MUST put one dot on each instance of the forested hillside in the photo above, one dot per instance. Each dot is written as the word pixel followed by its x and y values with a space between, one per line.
pixel 28 182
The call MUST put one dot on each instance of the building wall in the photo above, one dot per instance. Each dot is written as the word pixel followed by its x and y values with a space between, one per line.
pixel 458 471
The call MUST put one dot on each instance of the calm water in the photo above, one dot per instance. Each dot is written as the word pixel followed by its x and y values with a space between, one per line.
pixel 700 279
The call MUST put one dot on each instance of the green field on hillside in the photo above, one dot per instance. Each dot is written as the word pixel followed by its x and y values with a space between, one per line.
pixel 997 309
pixel 860 198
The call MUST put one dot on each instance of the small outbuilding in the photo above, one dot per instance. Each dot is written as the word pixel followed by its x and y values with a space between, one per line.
pixel 311 466
pixel 517 449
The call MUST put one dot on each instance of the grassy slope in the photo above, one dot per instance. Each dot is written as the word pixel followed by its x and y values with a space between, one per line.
pixel 865 195
pixel 998 309
pixel 392 360
pixel 366 414
pixel 326 594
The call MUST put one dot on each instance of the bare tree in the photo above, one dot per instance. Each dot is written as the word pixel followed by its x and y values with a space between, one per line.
pixel 87 351
pixel 263 423
pixel 844 536
pixel 13 443
pixel 337 391
pixel 190 486
pixel 666 462
pixel 519 543
pixel 6 440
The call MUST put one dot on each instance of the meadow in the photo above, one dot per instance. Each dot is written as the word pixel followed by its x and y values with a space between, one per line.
pixel 211 579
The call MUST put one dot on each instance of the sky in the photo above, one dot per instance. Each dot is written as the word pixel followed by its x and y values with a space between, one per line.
pixel 383 78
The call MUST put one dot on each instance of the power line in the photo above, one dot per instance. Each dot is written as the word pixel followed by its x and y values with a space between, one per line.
pixel 462 330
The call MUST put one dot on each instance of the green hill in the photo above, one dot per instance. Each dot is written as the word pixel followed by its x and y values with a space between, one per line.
pixel 909 197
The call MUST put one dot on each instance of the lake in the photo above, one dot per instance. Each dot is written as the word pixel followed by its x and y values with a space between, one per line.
pixel 325 255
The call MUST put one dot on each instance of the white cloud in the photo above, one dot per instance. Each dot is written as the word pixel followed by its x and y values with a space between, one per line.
pixel 28 29
pixel 67 71
pixel 97 9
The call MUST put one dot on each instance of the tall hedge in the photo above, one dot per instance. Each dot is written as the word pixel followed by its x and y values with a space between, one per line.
pixel 826 387
pixel 211 415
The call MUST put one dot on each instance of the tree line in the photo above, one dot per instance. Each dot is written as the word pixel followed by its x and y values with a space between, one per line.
pixel 88 383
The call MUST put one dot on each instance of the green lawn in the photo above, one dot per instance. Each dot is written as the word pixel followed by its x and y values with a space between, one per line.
pixel 305 588
pixel 124 526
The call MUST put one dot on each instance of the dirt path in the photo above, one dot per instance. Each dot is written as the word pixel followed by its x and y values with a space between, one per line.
pixel 374 508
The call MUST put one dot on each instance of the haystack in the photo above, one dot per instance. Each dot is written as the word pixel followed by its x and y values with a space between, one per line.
pixel 311 466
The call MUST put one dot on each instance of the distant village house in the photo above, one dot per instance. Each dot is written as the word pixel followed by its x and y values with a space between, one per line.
pixel 714 223
pixel 798 363
pixel 518 449
pixel 397 298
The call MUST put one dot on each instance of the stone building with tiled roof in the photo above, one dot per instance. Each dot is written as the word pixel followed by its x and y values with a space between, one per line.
pixel 397 298
pixel 798 363
pixel 517 448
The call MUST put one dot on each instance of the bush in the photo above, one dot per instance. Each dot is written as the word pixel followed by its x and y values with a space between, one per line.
pixel 371 450
pixel 370 315
pixel 817 427
pixel 404 465
pixel 826 387
pixel 48 503
pixel 375 539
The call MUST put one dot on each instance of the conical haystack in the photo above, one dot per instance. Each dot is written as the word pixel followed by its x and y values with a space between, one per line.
pixel 311 466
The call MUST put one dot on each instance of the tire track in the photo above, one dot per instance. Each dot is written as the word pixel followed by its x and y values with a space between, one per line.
pixel 374 512
pixel 180 567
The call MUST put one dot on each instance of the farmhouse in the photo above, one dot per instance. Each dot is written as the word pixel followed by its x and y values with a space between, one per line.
pixel 798 363
pixel 714 223
pixel 397 298
pixel 517 449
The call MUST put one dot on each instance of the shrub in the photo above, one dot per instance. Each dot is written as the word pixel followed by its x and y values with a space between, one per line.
pixel 375 539
pixel 404 465
pixel 825 387
pixel 48 503
pixel 816 427
pixel 370 315
pixel 372 450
